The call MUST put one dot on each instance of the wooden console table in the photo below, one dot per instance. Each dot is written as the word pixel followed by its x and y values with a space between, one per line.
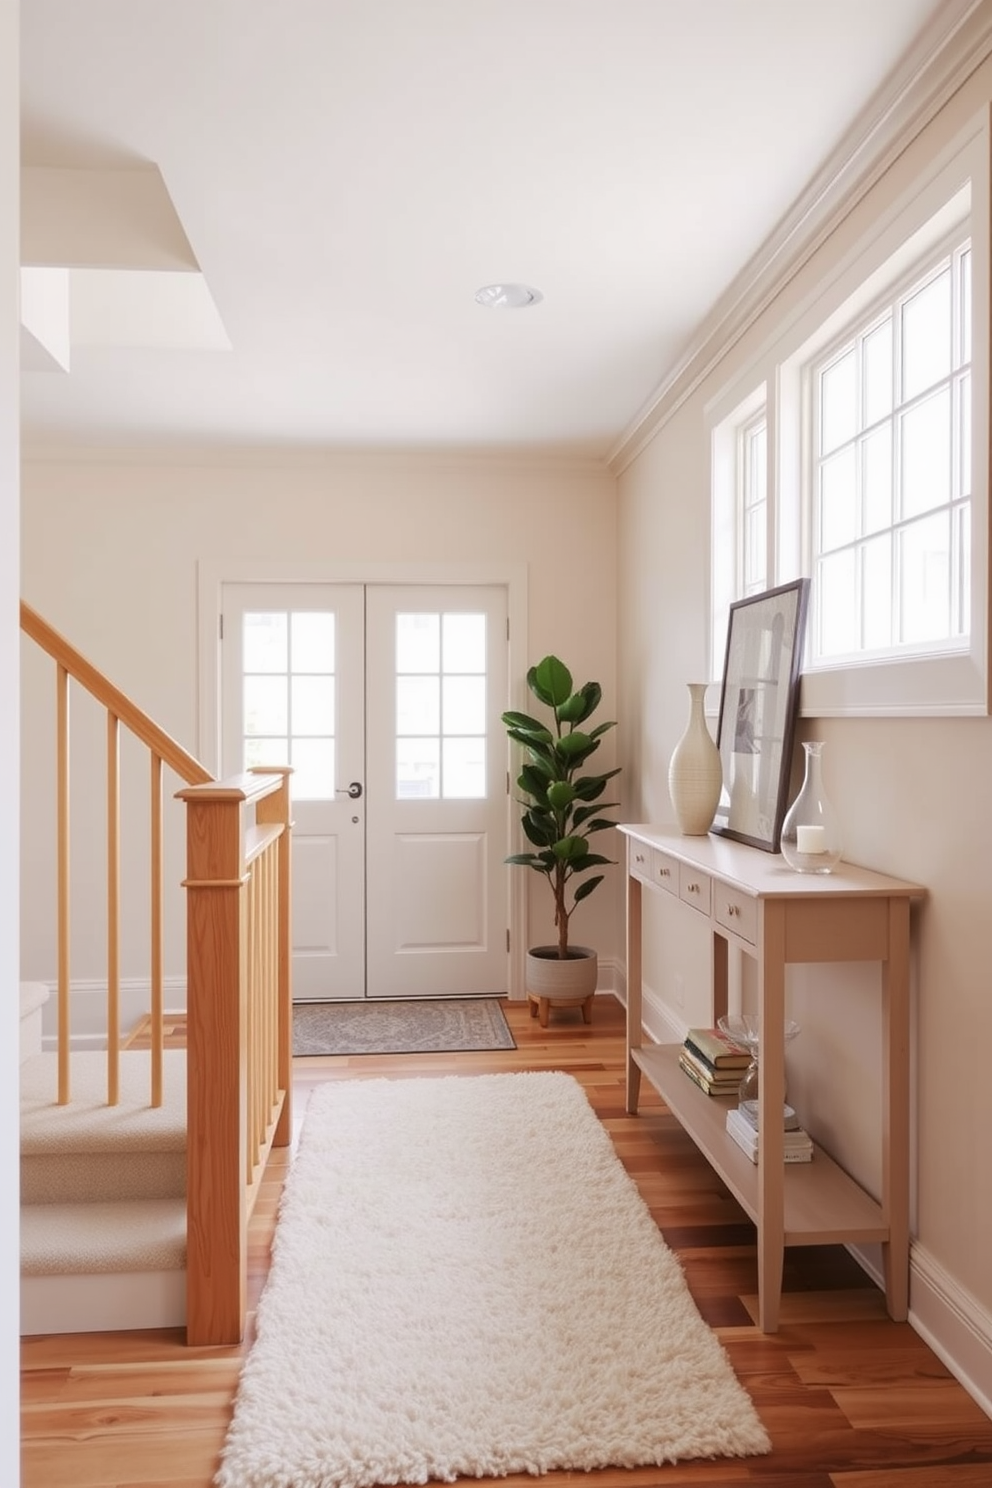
pixel 754 901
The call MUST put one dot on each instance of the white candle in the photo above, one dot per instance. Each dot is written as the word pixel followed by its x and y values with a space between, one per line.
pixel 811 839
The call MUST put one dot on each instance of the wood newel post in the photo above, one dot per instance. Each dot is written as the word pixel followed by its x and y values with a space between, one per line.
pixel 276 808
pixel 216 1203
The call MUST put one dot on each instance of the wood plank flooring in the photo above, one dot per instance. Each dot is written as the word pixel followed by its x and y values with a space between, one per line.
pixel 850 1399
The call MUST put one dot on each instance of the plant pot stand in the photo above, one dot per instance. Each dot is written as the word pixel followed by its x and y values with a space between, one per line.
pixel 540 1006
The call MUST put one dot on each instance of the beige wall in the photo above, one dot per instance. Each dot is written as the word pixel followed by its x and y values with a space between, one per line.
pixel 110 558
pixel 916 800
pixel 9 351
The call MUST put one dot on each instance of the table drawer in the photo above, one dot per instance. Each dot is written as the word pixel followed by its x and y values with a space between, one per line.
pixel 694 888
pixel 735 911
pixel 639 863
pixel 664 871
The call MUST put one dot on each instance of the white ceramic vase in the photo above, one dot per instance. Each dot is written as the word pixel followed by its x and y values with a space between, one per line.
pixel 695 774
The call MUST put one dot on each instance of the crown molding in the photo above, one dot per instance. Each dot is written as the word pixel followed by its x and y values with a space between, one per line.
pixel 950 48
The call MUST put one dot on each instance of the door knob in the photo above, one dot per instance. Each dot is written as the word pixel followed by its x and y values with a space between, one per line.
pixel 354 790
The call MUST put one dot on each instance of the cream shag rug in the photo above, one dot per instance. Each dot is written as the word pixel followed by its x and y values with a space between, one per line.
pixel 466 1282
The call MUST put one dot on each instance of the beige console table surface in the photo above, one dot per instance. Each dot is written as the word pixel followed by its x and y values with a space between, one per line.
pixel 754 901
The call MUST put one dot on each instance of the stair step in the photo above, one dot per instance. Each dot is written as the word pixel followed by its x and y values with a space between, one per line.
pixel 85 1239
pixel 89 1268
pixel 89 1151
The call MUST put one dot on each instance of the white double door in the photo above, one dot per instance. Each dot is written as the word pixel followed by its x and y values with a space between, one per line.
pixel 386 701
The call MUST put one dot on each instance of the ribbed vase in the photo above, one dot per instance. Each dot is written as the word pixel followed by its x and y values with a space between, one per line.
pixel 695 774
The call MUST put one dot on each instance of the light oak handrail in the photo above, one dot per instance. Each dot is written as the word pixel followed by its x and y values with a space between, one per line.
pixel 185 765
pixel 239 1030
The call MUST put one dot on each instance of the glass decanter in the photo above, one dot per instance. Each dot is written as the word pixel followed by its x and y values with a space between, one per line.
pixel 745 1029
pixel 811 840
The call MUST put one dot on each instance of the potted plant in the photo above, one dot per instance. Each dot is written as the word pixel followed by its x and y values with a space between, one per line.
pixel 561 813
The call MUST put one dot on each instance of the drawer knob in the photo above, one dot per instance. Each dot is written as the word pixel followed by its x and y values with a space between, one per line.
pixel 664 872
pixel 733 909
pixel 693 888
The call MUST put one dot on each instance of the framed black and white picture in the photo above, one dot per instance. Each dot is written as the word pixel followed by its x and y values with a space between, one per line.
pixel 758 706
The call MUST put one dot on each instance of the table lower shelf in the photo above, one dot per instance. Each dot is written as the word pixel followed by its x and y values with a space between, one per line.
pixel 822 1204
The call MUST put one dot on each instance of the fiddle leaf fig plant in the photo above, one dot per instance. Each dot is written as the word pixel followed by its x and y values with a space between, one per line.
pixel 561 804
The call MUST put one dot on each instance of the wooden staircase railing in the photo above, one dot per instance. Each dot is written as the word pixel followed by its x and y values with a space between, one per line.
pixel 239 1030
pixel 239 997
pixel 163 750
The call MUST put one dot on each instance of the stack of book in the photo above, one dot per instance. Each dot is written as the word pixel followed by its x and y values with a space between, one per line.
pixel 713 1061
pixel 742 1125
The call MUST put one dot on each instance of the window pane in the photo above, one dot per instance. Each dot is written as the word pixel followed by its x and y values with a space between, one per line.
pixel 877 353
pixel 838 403
pixel 926 336
pixel 418 769
pixel 964 437
pixel 925 573
pixel 418 643
pixel 313 765
pixel 838 500
pixel 926 454
pixel 464 705
pixel 877 588
pixel 260 751
pixel 313 705
pixel 964 271
pixel 464 769
pixel 838 605
pixel 464 643
pixel 266 705
pixel 264 638
pixel 418 705
pixel 313 641
pixel 876 480
pixel 755 549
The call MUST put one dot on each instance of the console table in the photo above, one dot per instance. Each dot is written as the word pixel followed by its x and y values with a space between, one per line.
pixel 753 901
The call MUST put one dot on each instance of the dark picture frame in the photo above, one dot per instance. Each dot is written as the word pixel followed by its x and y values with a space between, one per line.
pixel 759 702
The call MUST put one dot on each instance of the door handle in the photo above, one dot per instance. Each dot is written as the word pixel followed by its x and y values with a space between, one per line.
pixel 354 790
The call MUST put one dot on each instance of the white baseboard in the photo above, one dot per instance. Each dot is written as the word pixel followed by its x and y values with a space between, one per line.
pixel 88 1008
pixel 103 1303
pixel 954 1323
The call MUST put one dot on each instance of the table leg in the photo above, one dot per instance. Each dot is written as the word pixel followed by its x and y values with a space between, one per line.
pixel 635 1031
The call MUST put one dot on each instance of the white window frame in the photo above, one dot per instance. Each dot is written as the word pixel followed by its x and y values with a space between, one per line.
pixel 951 680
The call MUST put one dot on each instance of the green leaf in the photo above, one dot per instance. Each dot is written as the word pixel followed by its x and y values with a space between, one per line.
pixel 572 709
pixel 522 726
pixel 585 888
pixel 599 825
pixel 574 744
pixel 583 813
pixel 592 860
pixel 591 695
pixel 591 787
pixel 560 795
pixel 539 829
pixel 569 849
pixel 602 728
pixel 551 681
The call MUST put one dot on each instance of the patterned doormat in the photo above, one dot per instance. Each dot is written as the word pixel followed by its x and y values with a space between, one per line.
pixel 440 1025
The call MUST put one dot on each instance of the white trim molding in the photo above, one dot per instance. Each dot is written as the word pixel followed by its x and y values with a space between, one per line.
pixel 88 1008
pixel 954 1323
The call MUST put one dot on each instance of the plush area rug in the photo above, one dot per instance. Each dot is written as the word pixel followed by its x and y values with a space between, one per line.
pixel 416 1026
pixel 466 1282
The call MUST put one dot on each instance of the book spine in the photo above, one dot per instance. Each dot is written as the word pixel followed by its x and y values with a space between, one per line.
pixel 717 1051
pixel 699 1080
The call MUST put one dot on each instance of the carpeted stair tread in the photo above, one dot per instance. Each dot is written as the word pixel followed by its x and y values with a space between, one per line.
pixel 87 1124
pixel 83 1239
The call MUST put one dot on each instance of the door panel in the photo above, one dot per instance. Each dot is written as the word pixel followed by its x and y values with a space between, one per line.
pixel 437 807
pixel 293 680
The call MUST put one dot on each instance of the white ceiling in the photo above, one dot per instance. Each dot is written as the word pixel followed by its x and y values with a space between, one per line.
pixel 349 172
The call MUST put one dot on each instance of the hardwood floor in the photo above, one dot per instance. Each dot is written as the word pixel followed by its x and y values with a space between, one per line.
pixel 851 1399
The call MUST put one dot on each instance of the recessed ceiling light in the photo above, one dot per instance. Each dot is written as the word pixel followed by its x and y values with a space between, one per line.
pixel 508 296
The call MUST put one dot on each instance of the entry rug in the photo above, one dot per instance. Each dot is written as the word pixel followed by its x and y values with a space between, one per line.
pixel 465 1281
pixel 422 1026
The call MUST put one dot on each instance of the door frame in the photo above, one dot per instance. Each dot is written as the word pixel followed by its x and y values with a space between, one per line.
pixel 213 573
